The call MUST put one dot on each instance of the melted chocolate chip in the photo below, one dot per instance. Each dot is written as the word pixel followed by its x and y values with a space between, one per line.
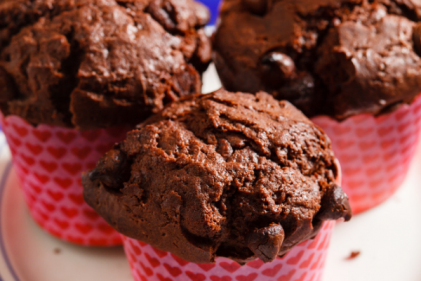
pixel 335 205
pixel 112 173
pixel 266 242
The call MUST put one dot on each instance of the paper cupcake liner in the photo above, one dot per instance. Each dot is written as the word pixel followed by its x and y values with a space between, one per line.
pixel 305 262
pixel 375 152
pixel 49 161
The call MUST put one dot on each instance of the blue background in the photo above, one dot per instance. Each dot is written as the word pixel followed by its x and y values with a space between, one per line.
pixel 213 7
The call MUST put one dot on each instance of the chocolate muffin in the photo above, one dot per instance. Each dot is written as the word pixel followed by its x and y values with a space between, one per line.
pixel 220 175
pixel 99 63
pixel 327 57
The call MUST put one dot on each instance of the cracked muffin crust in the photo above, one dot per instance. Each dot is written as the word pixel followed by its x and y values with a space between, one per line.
pixel 99 63
pixel 327 57
pixel 226 174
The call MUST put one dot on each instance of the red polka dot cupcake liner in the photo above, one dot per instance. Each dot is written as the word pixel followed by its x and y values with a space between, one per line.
pixel 49 161
pixel 375 152
pixel 305 262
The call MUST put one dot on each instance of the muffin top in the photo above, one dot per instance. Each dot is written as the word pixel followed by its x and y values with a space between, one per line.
pixel 330 57
pixel 99 63
pixel 220 175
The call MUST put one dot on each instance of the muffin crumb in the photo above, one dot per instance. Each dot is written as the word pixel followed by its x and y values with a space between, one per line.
pixel 353 255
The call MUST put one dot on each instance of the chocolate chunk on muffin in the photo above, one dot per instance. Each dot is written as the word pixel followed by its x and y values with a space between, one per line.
pixel 330 57
pixel 99 63
pixel 220 175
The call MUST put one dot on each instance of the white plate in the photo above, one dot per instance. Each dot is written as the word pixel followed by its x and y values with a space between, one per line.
pixel 388 237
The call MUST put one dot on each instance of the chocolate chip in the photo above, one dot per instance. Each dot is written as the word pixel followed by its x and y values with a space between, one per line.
pixel 416 36
pixel 301 92
pixel 257 7
pixel 277 69
pixel 303 85
pixel 110 170
pixel 266 242
pixel 335 205
pixel 279 62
